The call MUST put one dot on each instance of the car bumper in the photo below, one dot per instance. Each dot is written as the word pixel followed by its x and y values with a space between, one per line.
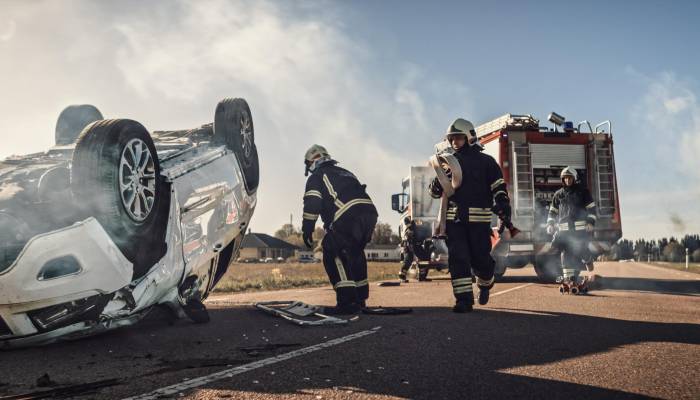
pixel 89 265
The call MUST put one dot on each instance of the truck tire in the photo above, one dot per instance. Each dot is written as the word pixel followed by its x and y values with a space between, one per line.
pixel 72 120
pixel 548 268
pixel 500 268
pixel 233 127
pixel 115 177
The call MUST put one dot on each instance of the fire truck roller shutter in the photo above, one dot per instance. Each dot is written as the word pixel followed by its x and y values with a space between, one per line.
pixel 547 155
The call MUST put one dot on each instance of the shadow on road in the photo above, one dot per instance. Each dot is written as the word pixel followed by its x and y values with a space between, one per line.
pixel 467 352
pixel 431 353
pixel 518 279
pixel 678 287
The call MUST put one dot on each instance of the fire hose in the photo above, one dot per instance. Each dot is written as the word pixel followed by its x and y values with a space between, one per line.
pixel 449 173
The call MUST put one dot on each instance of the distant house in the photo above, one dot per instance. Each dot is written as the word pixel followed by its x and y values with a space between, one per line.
pixel 256 246
pixel 382 252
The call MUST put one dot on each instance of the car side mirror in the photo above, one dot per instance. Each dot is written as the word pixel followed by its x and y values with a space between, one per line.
pixel 398 202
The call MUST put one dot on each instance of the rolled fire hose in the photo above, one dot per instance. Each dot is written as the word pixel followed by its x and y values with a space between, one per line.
pixel 449 185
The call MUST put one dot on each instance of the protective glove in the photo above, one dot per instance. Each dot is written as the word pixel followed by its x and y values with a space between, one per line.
pixel 550 229
pixel 308 239
pixel 502 209
pixel 589 227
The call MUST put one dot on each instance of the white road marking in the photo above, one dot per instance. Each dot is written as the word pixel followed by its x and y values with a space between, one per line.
pixel 511 289
pixel 228 373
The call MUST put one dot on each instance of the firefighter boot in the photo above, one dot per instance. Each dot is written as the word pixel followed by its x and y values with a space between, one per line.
pixel 423 275
pixel 484 295
pixel 462 306
pixel 402 277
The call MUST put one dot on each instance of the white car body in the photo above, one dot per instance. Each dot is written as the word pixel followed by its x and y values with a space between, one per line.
pixel 209 210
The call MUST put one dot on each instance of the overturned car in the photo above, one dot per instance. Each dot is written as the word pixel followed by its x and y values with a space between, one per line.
pixel 115 220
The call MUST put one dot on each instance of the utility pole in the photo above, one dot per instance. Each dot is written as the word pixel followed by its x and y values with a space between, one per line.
pixel 687 258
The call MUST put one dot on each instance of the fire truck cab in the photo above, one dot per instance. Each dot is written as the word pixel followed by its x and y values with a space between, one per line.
pixel 531 158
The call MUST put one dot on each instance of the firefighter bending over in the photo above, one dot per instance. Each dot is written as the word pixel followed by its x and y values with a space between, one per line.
pixel 349 217
pixel 571 218
pixel 468 227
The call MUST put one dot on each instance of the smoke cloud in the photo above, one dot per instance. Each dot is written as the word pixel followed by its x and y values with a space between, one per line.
pixel 166 64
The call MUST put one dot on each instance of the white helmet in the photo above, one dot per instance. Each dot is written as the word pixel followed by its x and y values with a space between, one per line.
pixel 315 154
pixel 461 126
pixel 569 171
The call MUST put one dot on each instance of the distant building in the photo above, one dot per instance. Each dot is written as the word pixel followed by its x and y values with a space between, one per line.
pixel 256 246
pixel 382 252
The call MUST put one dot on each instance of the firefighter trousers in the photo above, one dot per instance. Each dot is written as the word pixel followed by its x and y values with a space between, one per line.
pixel 407 258
pixel 469 247
pixel 574 251
pixel 344 258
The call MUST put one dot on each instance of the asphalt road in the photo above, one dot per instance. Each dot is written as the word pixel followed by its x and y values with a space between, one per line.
pixel 637 336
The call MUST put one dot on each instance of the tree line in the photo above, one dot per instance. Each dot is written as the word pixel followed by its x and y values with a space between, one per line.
pixel 383 234
pixel 665 249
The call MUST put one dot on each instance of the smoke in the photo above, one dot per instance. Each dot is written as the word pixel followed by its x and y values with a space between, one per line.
pixel 9 191
pixel 666 140
pixel 166 64
pixel 677 223
pixel 7 30
pixel 671 115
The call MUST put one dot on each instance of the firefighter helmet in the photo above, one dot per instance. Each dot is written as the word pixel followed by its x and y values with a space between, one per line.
pixel 460 126
pixel 569 171
pixel 315 153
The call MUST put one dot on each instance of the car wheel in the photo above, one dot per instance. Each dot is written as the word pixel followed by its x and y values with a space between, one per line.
pixel 72 121
pixel 115 177
pixel 233 127
pixel 548 268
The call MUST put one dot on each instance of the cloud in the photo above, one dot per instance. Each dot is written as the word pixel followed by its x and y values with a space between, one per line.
pixel 671 115
pixel 166 64
pixel 7 31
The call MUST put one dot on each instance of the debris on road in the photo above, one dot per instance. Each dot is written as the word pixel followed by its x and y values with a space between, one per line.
pixel 45 381
pixel 300 313
pixel 255 351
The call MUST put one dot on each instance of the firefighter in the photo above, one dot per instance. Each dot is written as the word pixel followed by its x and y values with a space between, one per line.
pixel 468 227
pixel 572 216
pixel 349 217
pixel 407 251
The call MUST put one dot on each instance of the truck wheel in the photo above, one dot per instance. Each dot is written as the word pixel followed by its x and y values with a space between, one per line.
pixel 500 268
pixel 115 176
pixel 233 127
pixel 548 268
pixel 72 121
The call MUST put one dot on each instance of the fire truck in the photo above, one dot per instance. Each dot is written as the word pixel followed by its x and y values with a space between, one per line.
pixel 415 203
pixel 531 158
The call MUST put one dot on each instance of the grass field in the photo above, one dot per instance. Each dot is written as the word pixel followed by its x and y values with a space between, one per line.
pixel 246 277
pixel 692 267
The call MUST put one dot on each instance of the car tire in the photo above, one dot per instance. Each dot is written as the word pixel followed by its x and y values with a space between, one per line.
pixel 233 127
pixel 548 268
pixel 72 120
pixel 124 193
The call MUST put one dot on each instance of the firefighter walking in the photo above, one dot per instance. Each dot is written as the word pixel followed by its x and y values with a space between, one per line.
pixel 349 217
pixel 407 251
pixel 469 212
pixel 571 218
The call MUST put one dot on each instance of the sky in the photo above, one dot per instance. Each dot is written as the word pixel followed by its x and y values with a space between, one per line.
pixel 376 82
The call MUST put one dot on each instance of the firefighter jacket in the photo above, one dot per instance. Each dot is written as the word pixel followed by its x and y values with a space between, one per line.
pixel 572 208
pixel 482 187
pixel 335 194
